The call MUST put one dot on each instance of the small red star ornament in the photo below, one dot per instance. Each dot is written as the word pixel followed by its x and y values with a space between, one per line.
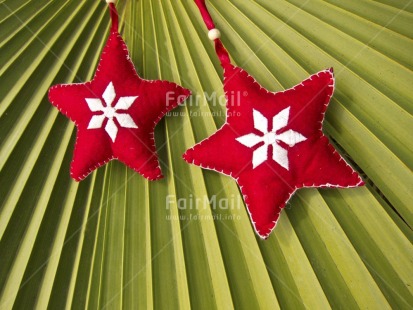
pixel 272 143
pixel 116 113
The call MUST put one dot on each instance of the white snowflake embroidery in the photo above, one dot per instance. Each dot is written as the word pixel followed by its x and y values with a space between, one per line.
pixel 279 154
pixel 110 112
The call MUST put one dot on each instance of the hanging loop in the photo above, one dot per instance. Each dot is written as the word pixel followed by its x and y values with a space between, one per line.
pixel 214 34
pixel 113 15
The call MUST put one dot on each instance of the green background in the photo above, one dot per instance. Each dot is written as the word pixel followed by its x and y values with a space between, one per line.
pixel 107 242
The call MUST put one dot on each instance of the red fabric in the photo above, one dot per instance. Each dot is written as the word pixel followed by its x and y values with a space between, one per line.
pixel 209 22
pixel 312 160
pixel 114 17
pixel 133 146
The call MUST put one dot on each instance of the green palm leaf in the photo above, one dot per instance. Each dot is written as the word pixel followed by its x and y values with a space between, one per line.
pixel 116 240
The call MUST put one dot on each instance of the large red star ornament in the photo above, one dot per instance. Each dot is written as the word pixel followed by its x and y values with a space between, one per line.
pixel 272 144
pixel 116 112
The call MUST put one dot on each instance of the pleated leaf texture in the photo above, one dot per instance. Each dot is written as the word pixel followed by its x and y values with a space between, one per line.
pixel 116 240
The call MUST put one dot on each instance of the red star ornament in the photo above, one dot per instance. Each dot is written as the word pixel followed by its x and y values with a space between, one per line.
pixel 272 144
pixel 116 113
